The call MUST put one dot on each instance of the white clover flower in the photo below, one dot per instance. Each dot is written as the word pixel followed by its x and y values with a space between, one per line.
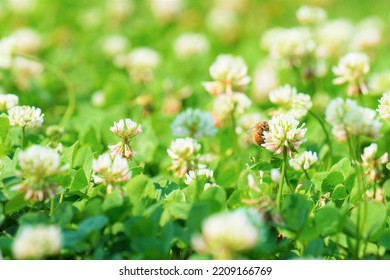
pixel 7 49
pixel 114 45
pixel 284 135
pixel 37 242
pixel 368 34
pixel 27 40
pixel 25 116
pixel 166 10
pixel 291 102
pixel 193 175
pixel 308 15
pixel 225 105
pixel 230 74
pixel 183 152
pixel 110 170
pixel 265 79
pixel 334 36
pixel 349 119
pixel 275 175
pixel 8 101
pixel 223 22
pixel 225 234
pixel 352 67
pixel 303 161
pixel 98 99
pixel 119 10
pixel 37 165
pixel 384 106
pixel 24 70
pixel 126 129
pixel 291 44
pixel 141 62
pixel 373 167
pixel 189 45
pixel 193 123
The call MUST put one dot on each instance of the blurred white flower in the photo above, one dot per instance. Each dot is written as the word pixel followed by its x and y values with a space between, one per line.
pixel 37 241
pixel 110 170
pixel 166 10
pixel 352 67
pixel 334 36
pixel 308 15
pixel 141 62
pixel 119 10
pixel 230 74
pixel 349 119
pixel 22 7
pixel 265 79
pixel 27 40
pixel 183 152
pixel 284 135
pixel 7 49
pixel 303 161
pixel 275 175
pixel 379 82
pixel 225 234
pixel 189 45
pixel 37 165
pixel 193 123
pixel 25 116
pixel 384 106
pixel 98 99
pixel 200 174
pixel 24 70
pixel 114 45
pixel 7 101
pixel 373 167
pixel 225 105
pixel 223 22
pixel 368 34
pixel 290 101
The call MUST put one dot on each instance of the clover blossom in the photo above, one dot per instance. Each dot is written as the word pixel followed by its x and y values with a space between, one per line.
pixel 25 116
pixel 374 166
pixel 303 161
pixel 184 155
pixel 284 134
pixel 126 129
pixel 384 106
pixel 8 101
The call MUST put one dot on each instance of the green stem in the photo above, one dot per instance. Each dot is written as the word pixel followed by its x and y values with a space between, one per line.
pixel 327 138
pixel 234 134
pixel 282 177
pixel 61 197
pixel 306 174
pixel 61 76
pixel 52 206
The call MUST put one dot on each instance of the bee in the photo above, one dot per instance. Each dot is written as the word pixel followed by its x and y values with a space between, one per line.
pixel 258 132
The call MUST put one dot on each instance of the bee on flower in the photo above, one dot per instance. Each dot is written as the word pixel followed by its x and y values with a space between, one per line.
pixel 37 166
pixel 284 135
pixel 230 75
pixel 126 129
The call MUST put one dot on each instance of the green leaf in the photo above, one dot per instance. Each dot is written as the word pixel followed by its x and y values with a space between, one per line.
pixel 388 165
pixel 386 188
pixel 328 221
pixel 331 181
pixel 113 200
pixel 92 224
pixel 141 192
pixel 339 192
pixel 7 168
pixel 6 245
pixel 295 209
pixel 68 154
pixel 343 166
pixel 318 178
pixel 216 194
pixel 384 239
pixel 79 181
pixel 261 165
pixel 4 127
pixel 16 203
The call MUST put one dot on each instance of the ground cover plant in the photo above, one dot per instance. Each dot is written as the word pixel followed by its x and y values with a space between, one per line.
pixel 182 129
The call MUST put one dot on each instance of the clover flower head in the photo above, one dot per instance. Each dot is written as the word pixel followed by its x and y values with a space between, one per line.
pixel 184 152
pixel 368 34
pixel 352 67
pixel 290 101
pixel 189 45
pixel 284 134
pixel 225 234
pixel 384 106
pixel 349 119
pixel 141 62
pixel 166 10
pixel 303 161
pixel 25 116
pixel 8 101
pixel 226 104
pixel 230 74
pixel 37 242
pixel 110 170
pixel 37 165
pixel 372 165
pixel 308 15
pixel 193 123
pixel 193 175
pixel 114 45
pixel 27 40
pixel 126 129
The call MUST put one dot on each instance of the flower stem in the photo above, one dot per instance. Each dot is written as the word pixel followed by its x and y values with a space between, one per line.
pixel 282 177
pixel 234 134
pixel 68 86
pixel 306 174
pixel 327 138
pixel 52 206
